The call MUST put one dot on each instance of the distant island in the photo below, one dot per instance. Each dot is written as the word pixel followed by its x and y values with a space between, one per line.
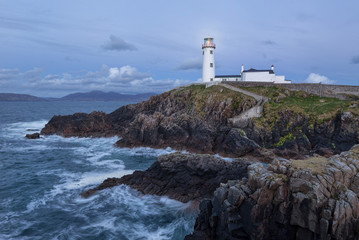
pixel 19 97
pixel 87 96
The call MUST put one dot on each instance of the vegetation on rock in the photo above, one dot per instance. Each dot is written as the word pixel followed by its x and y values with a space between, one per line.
pixel 317 109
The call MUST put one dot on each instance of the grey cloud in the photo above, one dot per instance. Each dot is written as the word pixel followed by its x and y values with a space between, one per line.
pixel 190 64
pixel 33 75
pixel 125 78
pixel 8 74
pixel 269 42
pixel 355 60
pixel 118 44
pixel 24 24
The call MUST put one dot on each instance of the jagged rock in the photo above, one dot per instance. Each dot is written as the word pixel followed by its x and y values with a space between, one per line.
pixel 183 177
pixel 317 199
pixel 33 136
pixel 95 124
pixel 180 119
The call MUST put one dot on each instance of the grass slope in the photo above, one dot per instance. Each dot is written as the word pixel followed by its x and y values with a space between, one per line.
pixel 201 98
pixel 318 109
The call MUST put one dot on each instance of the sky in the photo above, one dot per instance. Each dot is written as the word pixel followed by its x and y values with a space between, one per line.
pixel 53 48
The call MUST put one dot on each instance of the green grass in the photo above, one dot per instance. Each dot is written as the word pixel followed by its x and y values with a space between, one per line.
pixel 201 99
pixel 318 165
pixel 287 138
pixel 317 109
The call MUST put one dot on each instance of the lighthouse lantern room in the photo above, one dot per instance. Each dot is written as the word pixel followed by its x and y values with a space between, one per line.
pixel 208 68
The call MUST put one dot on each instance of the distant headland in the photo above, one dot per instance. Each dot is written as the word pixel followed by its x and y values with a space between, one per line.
pixel 86 96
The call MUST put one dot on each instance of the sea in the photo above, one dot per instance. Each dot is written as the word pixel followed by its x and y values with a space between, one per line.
pixel 41 181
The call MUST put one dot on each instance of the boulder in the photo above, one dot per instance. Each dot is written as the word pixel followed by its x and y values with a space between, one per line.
pixel 33 136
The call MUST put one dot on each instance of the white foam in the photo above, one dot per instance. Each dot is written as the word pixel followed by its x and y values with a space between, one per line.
pixel 19 129
pixel 88 179
pixel 111 163
pixel 225 158
pixel 145 151
pixel 106 223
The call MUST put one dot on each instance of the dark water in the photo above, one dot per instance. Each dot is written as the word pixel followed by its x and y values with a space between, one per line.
pixel 41 182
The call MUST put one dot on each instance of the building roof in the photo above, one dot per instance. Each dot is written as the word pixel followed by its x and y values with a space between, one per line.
pixel 255 70
pixel 228 76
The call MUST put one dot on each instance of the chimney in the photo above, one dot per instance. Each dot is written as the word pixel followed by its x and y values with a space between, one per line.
pixel 272 68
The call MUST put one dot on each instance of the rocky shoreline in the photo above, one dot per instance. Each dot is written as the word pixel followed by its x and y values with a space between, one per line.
pixel 184 177
pixel 196 119
pixel 259 195
pixel 315 198
pixel 300 199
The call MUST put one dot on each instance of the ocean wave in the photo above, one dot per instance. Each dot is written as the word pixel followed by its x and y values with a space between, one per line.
pixel 20 129
pixel 145 151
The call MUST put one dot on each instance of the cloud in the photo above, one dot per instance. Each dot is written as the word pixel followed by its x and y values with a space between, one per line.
pixel 269 42
pixel 121 79
pixel 7 75
pixel 24 24
pixel 316 78
pixel 118 44
pixel 355 60
pixel 190 64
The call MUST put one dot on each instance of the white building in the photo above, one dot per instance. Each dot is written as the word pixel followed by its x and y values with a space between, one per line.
pixel 251 75
pixel 208 69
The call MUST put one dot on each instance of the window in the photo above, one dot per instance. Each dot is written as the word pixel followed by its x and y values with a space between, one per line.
pixel 211 51
pixel 211 64
pixel 202 52
pixel 211 79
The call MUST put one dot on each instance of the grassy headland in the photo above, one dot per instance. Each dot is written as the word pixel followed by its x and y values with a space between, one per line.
pixel 317 109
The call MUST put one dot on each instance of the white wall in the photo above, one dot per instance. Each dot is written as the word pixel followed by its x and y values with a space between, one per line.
pixel 208 72
pixel 228 79
pixel 281 79
pixel 263 77
pixel 258 77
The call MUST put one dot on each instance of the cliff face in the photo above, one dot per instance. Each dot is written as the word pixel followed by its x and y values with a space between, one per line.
pixel 196 118
pixel 192 118
pixel 292 135
pixel 184 177
pixel 315 198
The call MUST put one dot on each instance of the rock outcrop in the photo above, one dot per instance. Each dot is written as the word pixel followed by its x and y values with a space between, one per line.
pixel 33 136
pixel 95 124
pixel 317 198
pixel 184 177
pixel 193 119
pixel 292 135
pixel 198 119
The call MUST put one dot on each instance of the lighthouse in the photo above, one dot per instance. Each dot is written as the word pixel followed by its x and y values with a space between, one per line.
pixel 208 67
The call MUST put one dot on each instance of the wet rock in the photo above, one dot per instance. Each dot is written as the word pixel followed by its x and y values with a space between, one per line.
pixel 307 203
pixel 183 177
pixel 95 124
pixel 33 136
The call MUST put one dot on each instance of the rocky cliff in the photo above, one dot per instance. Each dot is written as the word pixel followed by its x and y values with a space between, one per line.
pixel 192 118
pixel 184 177
pixel 316 198
pixel 196 118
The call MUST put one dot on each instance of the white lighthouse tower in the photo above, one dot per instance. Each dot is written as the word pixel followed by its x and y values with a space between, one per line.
pixel 208 67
